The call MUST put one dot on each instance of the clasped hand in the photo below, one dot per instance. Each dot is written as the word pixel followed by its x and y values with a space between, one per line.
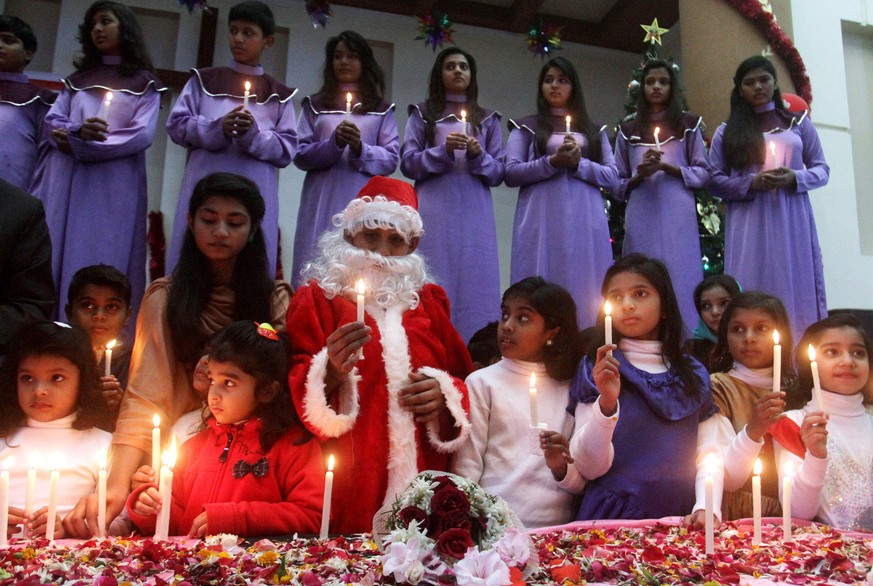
pixel 458 141
pixel 237 122
pixel 348 135
pixel 568 154
pixel 774 179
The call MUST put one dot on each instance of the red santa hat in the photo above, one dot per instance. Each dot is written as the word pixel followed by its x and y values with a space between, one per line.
pixel 384 203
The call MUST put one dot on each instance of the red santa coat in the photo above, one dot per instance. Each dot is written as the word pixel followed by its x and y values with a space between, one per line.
pixel 379 448
pixel 287 499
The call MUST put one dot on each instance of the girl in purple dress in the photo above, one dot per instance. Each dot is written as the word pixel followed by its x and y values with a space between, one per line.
pixel 657 176
pixel 346 134
pixel 453 149
pixel 91 175
pixel 764 161
pixel 561 161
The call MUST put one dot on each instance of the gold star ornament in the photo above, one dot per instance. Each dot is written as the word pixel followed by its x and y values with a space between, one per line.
pixel 654 32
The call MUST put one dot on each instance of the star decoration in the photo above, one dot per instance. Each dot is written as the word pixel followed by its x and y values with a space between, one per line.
pixel 654 32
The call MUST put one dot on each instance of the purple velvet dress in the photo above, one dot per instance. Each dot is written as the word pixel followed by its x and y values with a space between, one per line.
pixel 454 199
pixel 560 231
pixel 334 176
pixel 771 243
pixel 661 216
pixel 270 144
pixel 23 107
pixel 95 198
pixel 655 442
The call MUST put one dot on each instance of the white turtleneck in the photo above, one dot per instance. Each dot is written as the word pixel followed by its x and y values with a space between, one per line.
pixel 757 377
pixel 498 455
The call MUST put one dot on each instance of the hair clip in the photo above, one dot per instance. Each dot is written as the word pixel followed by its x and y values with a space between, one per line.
pixel 267 331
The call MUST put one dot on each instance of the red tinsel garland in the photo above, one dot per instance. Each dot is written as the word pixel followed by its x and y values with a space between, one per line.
pixel 754 11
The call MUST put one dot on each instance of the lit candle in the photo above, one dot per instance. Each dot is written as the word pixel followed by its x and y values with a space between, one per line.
pixel 246 95
pixel 773 153
pixel 756 502
pixel 777 363
pixel 816 380
pixel 534 415
pixel 53 502
pixel 101 497
pixel 359 287
pixel 325 508
pixel 464 121
pixel 568 119
pixel 31 489
pixel 156 445
pixel 786 501
pixel 162 528
pixel 104 108
pixel 607 324
pixel 657 137
pixel 4 504
pixel 348 103
pixel 709 513
pixel 107 362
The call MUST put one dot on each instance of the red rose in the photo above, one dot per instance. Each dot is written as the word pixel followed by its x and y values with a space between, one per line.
pixel 450 505
pixel 454 543
pixel 409 514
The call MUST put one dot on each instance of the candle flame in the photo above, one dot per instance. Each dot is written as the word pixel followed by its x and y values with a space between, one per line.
pixel 108 97
pixel 776 337
pixel 349 98
pixel 34 459
pixel 101 459
pixel 758 467
pixel 607 308
pixel 772 147
pixel 359 287
pixel 789 469
pixel 330 463
pixel 111 344
pixel 169 457
pixel 568 119
pixel 533 380
pixel 248 85
pixel 811 353
pixel 156 419
pixel 710 462
pixel 463 115
pixel 7 463
pixel 657 131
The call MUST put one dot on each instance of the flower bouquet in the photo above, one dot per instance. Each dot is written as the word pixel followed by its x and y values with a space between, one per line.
pixel 447 529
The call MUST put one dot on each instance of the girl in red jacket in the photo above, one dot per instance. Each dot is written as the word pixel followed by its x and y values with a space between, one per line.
pixel 252 470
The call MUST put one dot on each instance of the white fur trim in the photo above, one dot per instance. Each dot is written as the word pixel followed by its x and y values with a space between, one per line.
pixel 456 408
pixel 379 212
pixel 317 412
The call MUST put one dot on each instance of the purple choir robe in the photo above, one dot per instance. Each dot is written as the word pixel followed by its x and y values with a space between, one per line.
pixel 270 144
pixel 96 198
pixel 560 231
pixel 23 107
pixel 771 243
pixel 454 200
pixel 334 176
pixel 661 216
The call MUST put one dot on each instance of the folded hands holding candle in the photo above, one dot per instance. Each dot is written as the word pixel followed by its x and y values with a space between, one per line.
pixel 347 134
pixel 237 122
pixel 568 154
pixel 774 179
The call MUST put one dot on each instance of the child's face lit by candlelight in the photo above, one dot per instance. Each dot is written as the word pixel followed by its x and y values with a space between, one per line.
pixel 48 387
pixel 843 363
pixel 750 337
pixel 636 306
pixel 106 32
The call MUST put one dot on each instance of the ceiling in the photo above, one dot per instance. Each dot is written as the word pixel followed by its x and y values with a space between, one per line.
pixel 614 24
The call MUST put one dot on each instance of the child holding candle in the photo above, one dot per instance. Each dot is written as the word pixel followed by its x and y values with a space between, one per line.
pixel 560 230
pixel 52 391
pixel 253 470
pixel 831 454
pixel 658 174
pixel 91 175
pixel 742 386
pixel 771 242
pixel 644 416
pixel 221 133
pixel 340 152
pixel 711 297
pixel 537 334
pixel 453 149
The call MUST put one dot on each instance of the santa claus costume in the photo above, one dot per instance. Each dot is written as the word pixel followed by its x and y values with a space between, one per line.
pixel 378 444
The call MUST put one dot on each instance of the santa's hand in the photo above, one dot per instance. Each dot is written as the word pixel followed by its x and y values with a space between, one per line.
pixel 342 350
pixel 422 397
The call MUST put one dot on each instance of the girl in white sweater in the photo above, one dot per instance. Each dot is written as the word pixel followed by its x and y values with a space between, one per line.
pixel 537 334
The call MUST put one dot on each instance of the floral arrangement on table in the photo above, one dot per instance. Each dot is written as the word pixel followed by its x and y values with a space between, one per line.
pixel 447 529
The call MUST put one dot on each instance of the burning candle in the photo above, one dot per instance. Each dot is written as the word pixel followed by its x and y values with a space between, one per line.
pixel 359 287
pixel 156 444
pixel 756 502
pixel 787 479
pixel 568 119
pixel 816 380
pixel 31 489
pixel 464 121
pixel 607 324
pixel 246 95
pixel 4 504
pixel 52 504
pixel 348 103
pixel 101 497
pixel 709 513
pixel 773 154
pixel 325 508
pixel 107 362
pixel 104 108
pixel 534 415
pixel 657 137
pixel 162 529
pixel 777 362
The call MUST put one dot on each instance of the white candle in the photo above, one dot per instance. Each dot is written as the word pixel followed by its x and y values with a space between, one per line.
pixel 246 95
pixel 156 444
pixel 756 502
pixel 773 153
pixel 534 415
pixel 359 287
pixel 104 108
pixel 52 504
pixel 464 121
pixel 348 103
pixel 657 137
pixel 162 528
pixel 816 380
pixel 777 363
pixel 101 497
pixel 4 504
pixel 709 513
pixel 325 508
pixel 786 501
pixel 31 489
pixel 107 361
pixel 568 119
pixel 607 324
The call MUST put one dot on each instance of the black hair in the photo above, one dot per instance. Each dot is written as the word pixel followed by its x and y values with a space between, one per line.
pixel 134 54
pixel 726 282
pixel 558 309
pixel 102 276
pixel 722 361
pixel 436 94
pixel 743 141
pixel 50 339
pixel 575 108
pixel 483 346
pixel 20 29
pixel 267 360
pixel 670 327
pixel 674 104
pixel 371 85
pixel 192 282
pixel 255 12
